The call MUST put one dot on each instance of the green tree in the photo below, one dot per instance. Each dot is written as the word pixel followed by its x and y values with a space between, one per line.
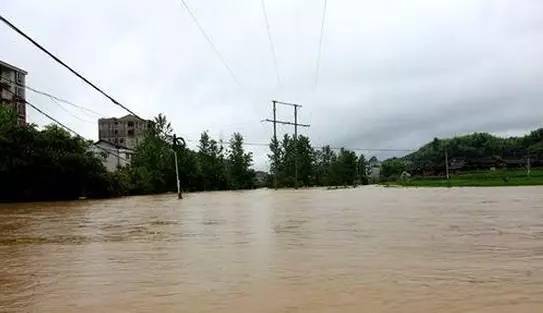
pixel 393 167
pixel 344 170
pixel 212 164
pixel 153 167
pixel 324 158
pixel 306 161
pixel 363 170
pixel 48 164
pixel 240 174
pixel 276 158
pixel 286 174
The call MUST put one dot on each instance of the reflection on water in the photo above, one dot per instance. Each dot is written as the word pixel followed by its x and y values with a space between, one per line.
pixel 361 250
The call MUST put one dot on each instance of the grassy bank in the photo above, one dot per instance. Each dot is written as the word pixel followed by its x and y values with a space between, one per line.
pixel 476 179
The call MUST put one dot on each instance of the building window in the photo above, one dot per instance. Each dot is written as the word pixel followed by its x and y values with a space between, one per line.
pixel 121 140
pixel 20 77
pixel 131 132
pixel 20 92
pixel 130 124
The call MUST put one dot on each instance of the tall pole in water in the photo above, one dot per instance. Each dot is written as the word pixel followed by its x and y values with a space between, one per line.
pixel 295 147
pixel 176 143
pixel 179 195
pixel 275 142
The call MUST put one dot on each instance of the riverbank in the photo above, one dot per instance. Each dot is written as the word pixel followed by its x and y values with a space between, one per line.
pixel 498 178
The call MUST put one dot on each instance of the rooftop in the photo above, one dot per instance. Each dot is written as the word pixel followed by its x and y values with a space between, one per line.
pixel 126 117
pixel 4 64
pixel 103 142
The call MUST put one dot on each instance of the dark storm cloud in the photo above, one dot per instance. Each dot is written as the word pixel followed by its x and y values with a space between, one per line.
pixel 394 74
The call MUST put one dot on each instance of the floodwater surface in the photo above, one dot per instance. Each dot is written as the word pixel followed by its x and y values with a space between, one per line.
pixel 368 249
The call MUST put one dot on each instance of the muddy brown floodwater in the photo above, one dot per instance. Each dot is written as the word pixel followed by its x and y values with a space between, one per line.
pixel 368 249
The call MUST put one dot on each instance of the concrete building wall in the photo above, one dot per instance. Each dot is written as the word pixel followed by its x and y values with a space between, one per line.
pixel 12 90
pixel 113 157
pixel 126 131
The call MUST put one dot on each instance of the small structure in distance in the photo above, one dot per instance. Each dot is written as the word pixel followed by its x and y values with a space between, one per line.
pixel 112 156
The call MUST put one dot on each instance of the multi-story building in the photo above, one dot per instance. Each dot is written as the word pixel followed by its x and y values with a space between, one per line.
pixel 12 90
pixel 126 131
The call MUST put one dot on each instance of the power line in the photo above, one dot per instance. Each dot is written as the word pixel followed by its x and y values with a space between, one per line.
pixel 73 131
pixel 369 149
pixel 64 126
pixel 208 39
pixel 88 82
pixel 63 101
pixel 53 97
pixel 272 46
pixel 338 148
pixel 319 55
pixel 262 144
pixel 71 113
pixel 53 119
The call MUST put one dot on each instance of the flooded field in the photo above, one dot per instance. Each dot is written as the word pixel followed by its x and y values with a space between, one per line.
pixel 369 249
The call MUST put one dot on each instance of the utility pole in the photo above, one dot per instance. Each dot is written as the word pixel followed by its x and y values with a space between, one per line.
pixel 447 163
pixel 295 124
pixel 179 195
pixel 174 144
pixel 528 166
pixel 295 147
pixel 275 141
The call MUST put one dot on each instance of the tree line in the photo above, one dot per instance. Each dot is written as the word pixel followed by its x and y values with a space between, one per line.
pixel 48 164
pixel 51 164
pixel 211 167
pixel 477 151
pixel 315 167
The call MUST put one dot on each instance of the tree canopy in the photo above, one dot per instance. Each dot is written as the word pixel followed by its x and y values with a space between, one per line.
pixel 48 164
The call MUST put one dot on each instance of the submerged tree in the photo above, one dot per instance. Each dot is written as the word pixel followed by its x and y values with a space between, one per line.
pixel 275 158
pixel 240 174
pixel 48 164
pixel 212 163
pixel 152 167
pixel 363 170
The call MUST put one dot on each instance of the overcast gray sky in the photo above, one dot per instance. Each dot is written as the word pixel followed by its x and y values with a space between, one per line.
pixel 394 74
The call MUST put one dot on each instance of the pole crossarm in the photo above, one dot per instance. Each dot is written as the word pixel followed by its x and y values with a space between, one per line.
pixel 288 103
pixel 286 123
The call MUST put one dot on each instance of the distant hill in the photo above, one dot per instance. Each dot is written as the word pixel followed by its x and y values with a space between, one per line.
pixel 471 152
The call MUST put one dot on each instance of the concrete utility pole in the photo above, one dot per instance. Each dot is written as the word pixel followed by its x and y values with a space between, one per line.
pixel 179 195
pixel 295 147
pixel 528 166
pixel 275 140
pixel 174 144
pixel 295 124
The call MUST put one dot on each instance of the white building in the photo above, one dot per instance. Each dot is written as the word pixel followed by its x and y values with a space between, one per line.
pixel 113 156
